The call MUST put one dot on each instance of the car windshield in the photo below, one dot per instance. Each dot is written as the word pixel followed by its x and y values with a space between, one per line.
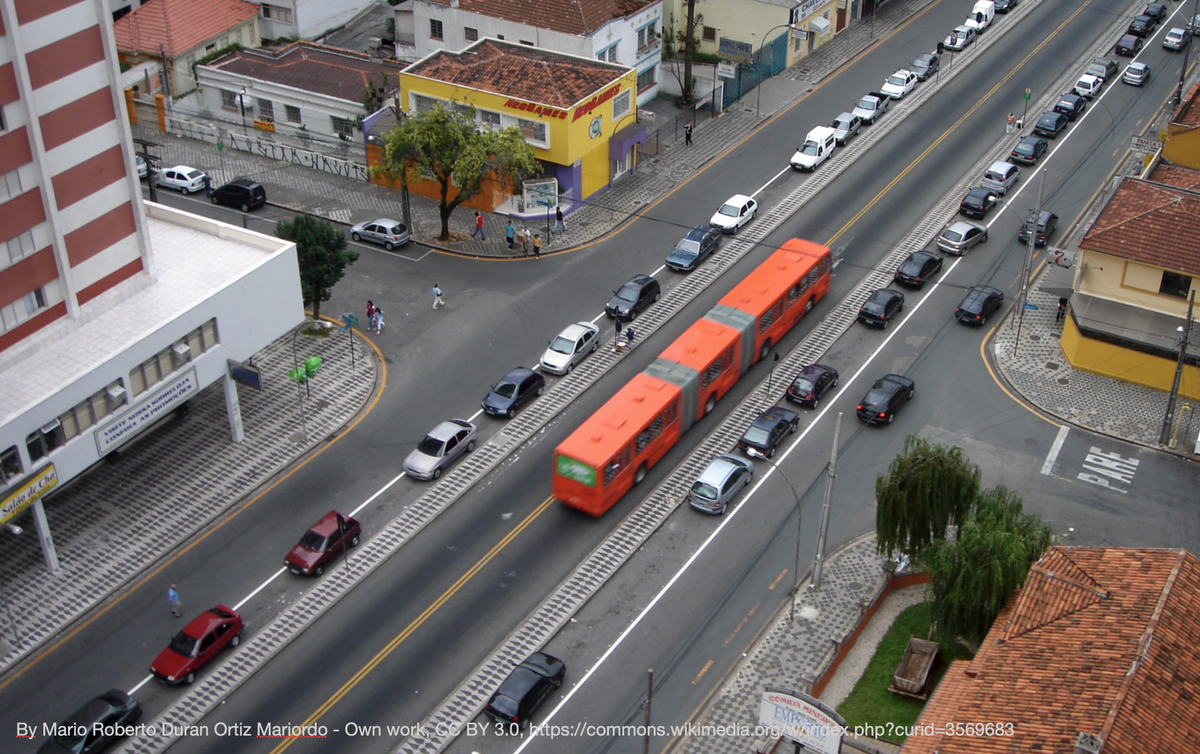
pixel 873 307
pixel 194 174
pixel 1048 120
pixel 563 345
pixel 506 706
pixel 184 645
pixel 505 389
pixel 1024 148
pixel 973 200
pixel 875 397
pixel 704 490
pixel 628 293
pixel 730 210
pixel 841 125
pixel 896 80
pixel 687 247
pixel 431 446
pixel 810 148
pixel 756 435
pixel 802 385
pixel 911 267
pixel 952 235
pixel 313 541
pixel 867 103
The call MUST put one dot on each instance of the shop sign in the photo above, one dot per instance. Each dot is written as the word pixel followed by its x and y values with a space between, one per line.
pixel 116 433
pixel 40 484
pixel 594 128
pixel 596 101
pixel 735 51
pixel 532 109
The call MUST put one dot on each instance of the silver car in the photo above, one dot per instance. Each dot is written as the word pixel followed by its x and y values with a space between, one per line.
pixel 844 126
pixel 1175 39
pixel 447 441
pixel 570 347
pixel 961 236
pixel 388 233
pixel 720 483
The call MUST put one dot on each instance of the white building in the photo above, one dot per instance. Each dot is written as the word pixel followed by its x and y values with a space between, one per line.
pixel 305 19
pixel 626 32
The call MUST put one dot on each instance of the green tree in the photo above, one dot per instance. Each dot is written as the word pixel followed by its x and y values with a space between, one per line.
pixel 689 51
pixel 322 254
pixel 927 489
pixel 973 575
pixel 448 145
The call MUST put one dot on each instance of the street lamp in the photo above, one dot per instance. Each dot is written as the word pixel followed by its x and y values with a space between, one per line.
pixel 242 105
pixel 754 453
pixel 761 45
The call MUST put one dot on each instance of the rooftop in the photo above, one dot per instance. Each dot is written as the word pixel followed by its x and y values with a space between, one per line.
pixel 579 17
pixel 310 67
pixel 515 70
pixel 178 25
pixel 1151 222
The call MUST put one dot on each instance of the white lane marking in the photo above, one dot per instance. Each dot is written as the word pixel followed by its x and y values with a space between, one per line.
pixel 776 177
pixel 1052 456
pixel 727 518
pixel 475 415
pixel 260 587
pixel 141 683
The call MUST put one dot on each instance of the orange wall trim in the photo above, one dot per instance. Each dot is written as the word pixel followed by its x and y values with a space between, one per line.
pixel 110 280
pixel 32 325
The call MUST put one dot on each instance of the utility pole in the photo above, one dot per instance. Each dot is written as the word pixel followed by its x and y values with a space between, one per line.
pixel 649 693
pixel 820 559
pixel 1026 267
pixel 1187 46
pixel 1164 437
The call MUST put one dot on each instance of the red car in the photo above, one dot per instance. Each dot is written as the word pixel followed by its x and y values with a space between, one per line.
pixel 322 543
pixel 198 644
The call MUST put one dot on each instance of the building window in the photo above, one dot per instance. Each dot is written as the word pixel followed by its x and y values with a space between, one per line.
pixel 420 103
pixel 10 464
pixel 489 118
pixel 10 186
pixel 533 130
pixel 36 299
pixel 471 35
pixel 527 43
pixel 709 34
pixel 45 440
pixel 609 54
pixel 622 104
pixel 646 78
pixel 229 100
pixel 435 28
pixel 277 13
pixel 17 247
pixel 342 127
pixel 159 366
pixel 1174 284
pixel 266 110
pixel 647 36
pixel 293 113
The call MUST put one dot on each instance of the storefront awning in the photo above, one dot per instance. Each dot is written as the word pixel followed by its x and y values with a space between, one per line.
pixel 621 141
pixel 819 25
pixel 1058 281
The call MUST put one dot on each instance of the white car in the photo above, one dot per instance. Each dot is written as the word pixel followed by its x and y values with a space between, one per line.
pixel 733 214
pixel 142 170
pixel 570 347
pixel 899 83
pixel 1088 86
pixel 183 178
pixel 1175 38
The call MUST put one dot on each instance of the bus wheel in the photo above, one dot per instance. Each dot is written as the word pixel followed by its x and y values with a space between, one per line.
pixel 766 348
pixel 808 305
pixel 710 404
pixel 639 475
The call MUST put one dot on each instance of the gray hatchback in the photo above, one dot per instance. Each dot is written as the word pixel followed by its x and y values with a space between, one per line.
pixel 720 483
pixel 441 446
pixel 387 233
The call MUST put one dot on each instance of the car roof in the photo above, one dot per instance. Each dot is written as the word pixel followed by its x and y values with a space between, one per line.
pixel 577 329
pixel 1089 78
pixel 446 430
pixel 738 199
pixel 205 621
pixel 885 293
pixel 1138 65
pixel 699 232
pixel 639 280
pixel 719 469
pixel 962 226
pixel 815 369
pixel 518 374
pixel 1031 140
pixel 924 253
pixel 925 57
pixel 846 116
pixel 1001 166
pixel 979 191
pixel 328 523
pixel 984 289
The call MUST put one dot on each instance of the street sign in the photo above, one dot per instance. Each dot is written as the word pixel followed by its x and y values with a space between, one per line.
pixel 1028 93
pixel 348 321
pixel 1061 257
pixel 1032 307
pixel 735 51
pixel 1140 145
pixel 244 374
pixel 726 71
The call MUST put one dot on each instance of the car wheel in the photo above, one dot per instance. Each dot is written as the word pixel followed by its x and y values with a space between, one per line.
pixel 639 475
pixel 595 345
pixel 655 299
pixel 835 382
pixel 235 640
pixel 389 245
pixel 889 418
pixel 437 473
pixel 792 429
pixel 510 413
pixel 245 208
pixel 356 237
pixel 983 320
pixel 815 403
pixel 911 392
pixel 470 446
pixel 190 678
pixel 319 571
pixel 354 541
pixel 632 314
pixel 541 389
pixel 884 325
pixel 213 199
pixel 770 452
pixel 710 404
pixel 570 367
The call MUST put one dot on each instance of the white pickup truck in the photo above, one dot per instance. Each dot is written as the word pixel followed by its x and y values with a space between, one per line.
pixel 872 106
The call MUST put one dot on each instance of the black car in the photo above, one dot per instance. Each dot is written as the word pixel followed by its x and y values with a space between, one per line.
pixel 980 302
pixel 1142 26
pixel 880 307
pixel 813 382
pixel 977 203
pixel 526 688
pixel 1071 105
pixel 633 297
pixel 925 65
pixel 694 248
pixel 76 735
pixel 242 193
pixel 1129 45
pixel 918 268
pixel 518 387
pixel 769 429
pixel 1157 11
pixel 884 399
pixel 1004 6
pixel 1046 225
pixel 1051 124
pixel 1029 149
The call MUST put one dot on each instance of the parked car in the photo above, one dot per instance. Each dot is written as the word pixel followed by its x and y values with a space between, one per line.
pixel 959 38
pixel 720 483
pixel 1142 26
pixel 1088 86
pixel 918 268
pixel 520 386
pixel 94 726
pixel 925 65
pixel 1175 38
pixel 1071 105
pixel 526 687
pixel 1136 74
pixel 767 431
pixel 633 298
pixel 197 645
pixel 1105 68
pixel 1128 45
pixel 1004 6
pixel 1193 23
pixel 961 236
pixel 871 106
pixel 1047 222
pixel 142 169
pixel 889 393
pixel 899 83
pixel 242 193
pixel 733 214
pixel 811 385
pixel 182 178
pixel 445 442
pixel 322 544
pixel 845 126
pixel 694 248
pixel 1000 177
pixel 977 203
pixel 880 307
pixel 980 302
pixel 1029 150
pixel 570 347
pixel 1157 11
pixel 1051 124
pixel 387 233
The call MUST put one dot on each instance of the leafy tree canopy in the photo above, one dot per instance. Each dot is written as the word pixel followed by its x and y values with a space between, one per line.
pixel 927 489
pixel 322 254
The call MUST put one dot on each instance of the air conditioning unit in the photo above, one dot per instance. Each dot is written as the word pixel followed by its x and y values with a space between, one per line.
pixel 116 394
pixel 182 352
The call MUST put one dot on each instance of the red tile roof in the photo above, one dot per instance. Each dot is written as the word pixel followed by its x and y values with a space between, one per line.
pixel 1099 641
pixel 178 25
pixel 1188 112
pixel 314 68
pixel 1150 222
pixel 579 17
pixel 532 74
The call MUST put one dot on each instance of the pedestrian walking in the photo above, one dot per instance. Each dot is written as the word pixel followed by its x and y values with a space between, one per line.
pixel 687 134
pixel 207 187
pixel 378 321
pixel 629 336
pixel 370 313
pixel 437 297
pixel 173 600
pixel 510 231
pixel 1012 119
pixel 559 225
pixel 526 237
pixel 479 227
pixel 617 339
pixel 537 245
pixel 1062 309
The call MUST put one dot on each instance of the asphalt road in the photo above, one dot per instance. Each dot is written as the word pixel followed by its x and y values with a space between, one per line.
pixel 501 313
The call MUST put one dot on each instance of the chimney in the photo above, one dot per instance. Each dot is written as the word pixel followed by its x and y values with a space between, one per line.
pixel 1086 743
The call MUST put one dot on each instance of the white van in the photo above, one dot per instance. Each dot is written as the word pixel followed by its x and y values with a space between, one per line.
pixel 981 15
pixel 818 146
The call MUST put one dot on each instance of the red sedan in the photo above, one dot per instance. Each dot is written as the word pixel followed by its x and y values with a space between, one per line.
pixel 198 644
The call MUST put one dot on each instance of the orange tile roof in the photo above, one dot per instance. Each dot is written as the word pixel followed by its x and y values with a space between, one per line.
pixel 1100 641
pixel 178 25
pixel 579 17
pixel 1188 112
pixel 1150 222
pixel 1175 175
pixel 312 67
pixel 532 74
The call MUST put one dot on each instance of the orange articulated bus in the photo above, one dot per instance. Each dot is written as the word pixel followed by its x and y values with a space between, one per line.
pixel 612 451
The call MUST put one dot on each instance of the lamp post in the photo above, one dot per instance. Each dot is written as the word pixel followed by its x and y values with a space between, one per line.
pixel 761 45
pixel 1164 437
pixel 242 106
pixel 753 453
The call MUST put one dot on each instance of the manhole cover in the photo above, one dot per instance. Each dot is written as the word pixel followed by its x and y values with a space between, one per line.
pixel 1063 381
pixel 854 586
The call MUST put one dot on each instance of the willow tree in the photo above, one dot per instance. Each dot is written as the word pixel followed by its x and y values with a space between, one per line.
pixel 448 146
pixel 927 489
pixel 974 574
